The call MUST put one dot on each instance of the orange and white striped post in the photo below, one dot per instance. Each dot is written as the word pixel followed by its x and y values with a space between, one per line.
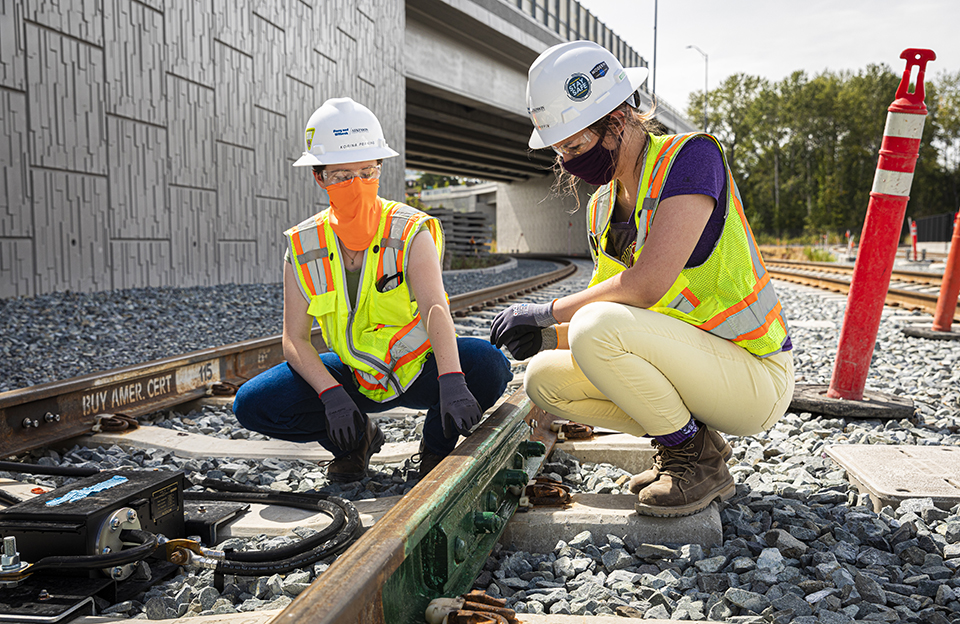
pixel 950 286
pixel 881 231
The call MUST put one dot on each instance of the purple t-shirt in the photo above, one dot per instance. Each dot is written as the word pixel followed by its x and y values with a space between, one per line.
pixel 697 170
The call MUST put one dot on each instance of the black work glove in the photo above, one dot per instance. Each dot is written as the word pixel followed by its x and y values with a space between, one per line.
pixel 518 319
pixel 459 411
pixel 345 421
pixel 526 341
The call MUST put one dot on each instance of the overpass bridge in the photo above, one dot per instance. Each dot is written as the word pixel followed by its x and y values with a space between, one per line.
pixel 149 143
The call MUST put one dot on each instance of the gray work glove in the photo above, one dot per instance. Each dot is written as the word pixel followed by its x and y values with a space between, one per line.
pixel 518 319
pixel 345 421
pixel 527 341
pixel 459 410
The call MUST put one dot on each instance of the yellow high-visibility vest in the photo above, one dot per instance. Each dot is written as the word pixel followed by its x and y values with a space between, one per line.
pixel 382 339
pixel 730 295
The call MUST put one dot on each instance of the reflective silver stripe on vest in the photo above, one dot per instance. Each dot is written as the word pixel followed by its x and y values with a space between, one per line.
pixel 313 254
pixel 681 303
pixel 750 318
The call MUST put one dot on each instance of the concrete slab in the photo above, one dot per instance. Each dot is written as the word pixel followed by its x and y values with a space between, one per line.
pixel 539 529
pixel 23 490
pixel 191 445
pixel 279 520
pixel 893 473
pixel 623 450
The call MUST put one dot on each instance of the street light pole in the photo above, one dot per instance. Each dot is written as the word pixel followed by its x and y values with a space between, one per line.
pixel 654 90
pixel 705 70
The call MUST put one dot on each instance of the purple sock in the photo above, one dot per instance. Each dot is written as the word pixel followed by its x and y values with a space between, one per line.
pixel 679 437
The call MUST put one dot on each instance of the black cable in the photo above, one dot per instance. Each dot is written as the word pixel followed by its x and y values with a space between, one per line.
pixel 56 471
pixel 346 526
pixel 148 544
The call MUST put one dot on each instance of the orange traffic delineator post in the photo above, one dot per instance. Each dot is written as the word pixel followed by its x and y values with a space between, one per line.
pixel 875 258
pixel 949 292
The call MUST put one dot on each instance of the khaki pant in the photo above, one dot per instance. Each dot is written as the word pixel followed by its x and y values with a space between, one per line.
pixel 642 372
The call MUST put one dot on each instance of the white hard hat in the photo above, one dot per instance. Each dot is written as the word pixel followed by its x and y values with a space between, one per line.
pixel 572 85
pixel 342 131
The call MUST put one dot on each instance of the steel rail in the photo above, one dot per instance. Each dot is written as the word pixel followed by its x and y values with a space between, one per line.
pixel 919 277
pixel 431 544
pixel 910 299
pixel 53 412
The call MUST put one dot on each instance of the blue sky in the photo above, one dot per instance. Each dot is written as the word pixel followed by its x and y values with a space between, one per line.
pixel 772 39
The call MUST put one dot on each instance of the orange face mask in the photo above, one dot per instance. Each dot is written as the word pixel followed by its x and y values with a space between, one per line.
pixel 355 212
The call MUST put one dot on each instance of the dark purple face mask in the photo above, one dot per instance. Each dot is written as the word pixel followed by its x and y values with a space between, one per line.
pixel 594 166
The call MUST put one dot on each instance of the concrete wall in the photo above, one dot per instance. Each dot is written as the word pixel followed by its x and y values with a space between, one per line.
pixel 149 143
pixel 531 217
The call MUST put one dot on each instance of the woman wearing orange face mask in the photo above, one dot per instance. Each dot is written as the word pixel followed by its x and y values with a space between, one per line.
pixel 368 271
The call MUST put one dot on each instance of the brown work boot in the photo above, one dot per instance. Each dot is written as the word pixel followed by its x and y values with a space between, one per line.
pixel 353 466
pixel 645 478
pixel 690 477
pixel 428 460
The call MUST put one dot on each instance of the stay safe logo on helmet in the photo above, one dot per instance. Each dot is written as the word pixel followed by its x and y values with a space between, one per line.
pixel 577 87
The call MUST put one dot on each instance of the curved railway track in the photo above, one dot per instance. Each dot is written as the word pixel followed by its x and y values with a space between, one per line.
pixel 915 290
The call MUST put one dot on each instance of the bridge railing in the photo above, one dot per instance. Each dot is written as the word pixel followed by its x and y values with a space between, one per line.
pixel 572 21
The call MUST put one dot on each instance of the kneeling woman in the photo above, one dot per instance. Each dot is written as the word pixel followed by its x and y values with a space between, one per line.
pixel 680 333
pixel 368 270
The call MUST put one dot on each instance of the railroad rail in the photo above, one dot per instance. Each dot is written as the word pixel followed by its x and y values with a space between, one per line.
pixel 53 412
pixel 916 290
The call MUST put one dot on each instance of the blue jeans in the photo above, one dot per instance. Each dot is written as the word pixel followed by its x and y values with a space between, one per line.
pixel 281 404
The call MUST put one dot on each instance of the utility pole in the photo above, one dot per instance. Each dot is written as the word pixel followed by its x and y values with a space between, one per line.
pixel 654 90
pixel 705 69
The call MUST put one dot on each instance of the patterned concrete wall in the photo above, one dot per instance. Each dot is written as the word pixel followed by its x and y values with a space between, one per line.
pixel 149 142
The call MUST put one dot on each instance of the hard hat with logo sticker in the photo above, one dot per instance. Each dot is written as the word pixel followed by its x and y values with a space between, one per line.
pixel 572 85
pixel 342 131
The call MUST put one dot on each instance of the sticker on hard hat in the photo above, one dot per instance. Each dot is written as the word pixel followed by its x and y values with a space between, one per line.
pixel 599 70
pixel 577 87
pixel 310 132
pixel 341 131
pixel 356 130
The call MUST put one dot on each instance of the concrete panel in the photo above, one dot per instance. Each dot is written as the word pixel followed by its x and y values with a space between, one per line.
pixel 237 262
pixel 273 217
pixel 135 52
pixel 192 134
pixel 532 218
pixel 234 101
pixel 272 168
pixel 14 185
pixel 65 100
pixel 236 211
pixel 13 51
pixel 193 241
pixel 302 99
pixel 189 33
pixel 16 268
pixel 72 238
pixel 301 62
pixel 269 62
pixel 466 70
pixel 142 263
pixel 82 19
pixel 305 196
pixel 138 180
pixel 325 29
pixel 233 19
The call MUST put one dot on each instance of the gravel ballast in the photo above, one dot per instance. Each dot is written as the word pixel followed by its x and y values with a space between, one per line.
pixel 799 543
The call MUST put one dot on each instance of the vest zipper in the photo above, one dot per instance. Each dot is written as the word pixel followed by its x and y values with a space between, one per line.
pixel 376 363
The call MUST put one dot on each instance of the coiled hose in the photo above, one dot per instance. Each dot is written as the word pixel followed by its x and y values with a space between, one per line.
pixel 344 529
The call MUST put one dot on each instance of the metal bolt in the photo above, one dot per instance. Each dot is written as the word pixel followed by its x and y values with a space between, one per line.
pixel 10 560
pixel 201 509
pixel 487 522
pixel 459 550
pixel 50 417
pixel 27 423
pixel 131 515
pixel 490 501
pixel 116 572
pixel 114 524
pixel 43 595
pixel 106 550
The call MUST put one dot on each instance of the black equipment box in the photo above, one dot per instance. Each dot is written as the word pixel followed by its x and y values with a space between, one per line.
pixel 68 520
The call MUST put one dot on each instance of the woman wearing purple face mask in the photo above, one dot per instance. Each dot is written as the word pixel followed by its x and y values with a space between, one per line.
pixel 680 334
